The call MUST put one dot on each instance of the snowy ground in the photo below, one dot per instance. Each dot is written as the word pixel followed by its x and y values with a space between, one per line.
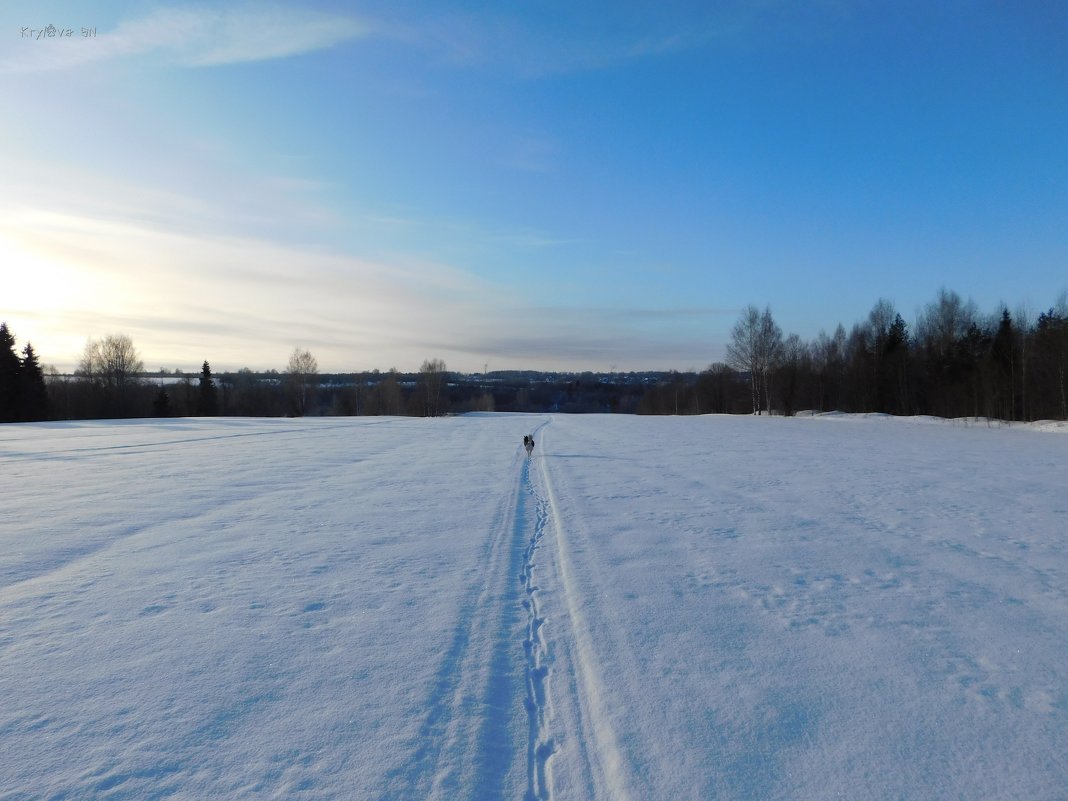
pixel 651 608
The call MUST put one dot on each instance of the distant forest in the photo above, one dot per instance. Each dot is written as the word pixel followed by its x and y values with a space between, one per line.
pixel 952 362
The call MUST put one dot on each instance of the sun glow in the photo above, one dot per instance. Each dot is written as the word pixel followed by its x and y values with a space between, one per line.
pixel 41 295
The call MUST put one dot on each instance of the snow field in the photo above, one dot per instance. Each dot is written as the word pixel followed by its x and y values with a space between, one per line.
pixel 257 609
pixel 653 608
pixel 815 609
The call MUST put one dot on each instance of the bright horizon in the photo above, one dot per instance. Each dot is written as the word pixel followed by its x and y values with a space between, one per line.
pixel 601 187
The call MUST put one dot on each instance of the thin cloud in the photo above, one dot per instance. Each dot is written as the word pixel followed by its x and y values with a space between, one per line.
pixel 554 338
pixel 532 154
pixel 184 297
pixel 689 312
pixel 472 234
pixel 196 37
pixel 206 197
pixel 574 42
pixel 176 289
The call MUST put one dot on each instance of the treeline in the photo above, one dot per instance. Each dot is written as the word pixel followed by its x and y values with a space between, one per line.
pixel 952 362
pixel 424 393
pixel 110 382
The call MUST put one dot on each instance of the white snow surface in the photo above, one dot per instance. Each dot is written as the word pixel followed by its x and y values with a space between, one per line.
pixel 649 608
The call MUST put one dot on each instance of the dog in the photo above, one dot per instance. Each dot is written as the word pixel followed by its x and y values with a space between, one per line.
pixel 528 443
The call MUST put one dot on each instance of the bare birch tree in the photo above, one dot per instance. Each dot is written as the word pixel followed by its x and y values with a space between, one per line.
pixel 432 377
pixel 112 362
pixel 769 351
pixel 743 351
pixel 301 377
pixel 112 370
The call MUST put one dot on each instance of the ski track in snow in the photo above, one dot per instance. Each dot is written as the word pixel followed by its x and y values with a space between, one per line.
pixel 458 752
pixel 540 746
pixel 597 756
pixel 452 753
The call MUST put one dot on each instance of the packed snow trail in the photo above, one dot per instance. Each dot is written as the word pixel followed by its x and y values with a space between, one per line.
pixel 456 750
pixel 589 752
pixel 540 745
pixel 469 744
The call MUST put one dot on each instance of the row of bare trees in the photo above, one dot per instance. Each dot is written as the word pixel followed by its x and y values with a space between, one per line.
pixel 954 362
pixel 110 382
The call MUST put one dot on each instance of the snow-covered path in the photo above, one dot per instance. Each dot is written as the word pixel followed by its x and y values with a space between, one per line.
pixel 650 608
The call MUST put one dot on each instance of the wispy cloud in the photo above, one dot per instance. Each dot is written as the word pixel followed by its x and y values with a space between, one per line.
pixel 532 154
pixel 467 235
pixel 195 37
pixel 178 288
pixel 581 40
pixel 240 301
pixel 580 339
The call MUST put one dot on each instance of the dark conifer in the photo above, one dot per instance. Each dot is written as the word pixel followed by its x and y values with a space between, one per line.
pixel 161 406
pixel 897 335
pixel 1001 369
pixel 33 394
pixel 1051 354
pixel 10 368
pixel 207 400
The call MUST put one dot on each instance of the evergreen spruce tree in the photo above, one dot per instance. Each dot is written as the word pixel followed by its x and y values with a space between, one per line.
pixel 161 406
pixel 1051 356
pixel 896 368
pixel 1002 369
pixel 10 368
pixel 207 400
pixel 33 394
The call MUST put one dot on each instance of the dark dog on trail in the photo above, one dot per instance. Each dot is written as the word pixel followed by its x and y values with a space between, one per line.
pixel 528 443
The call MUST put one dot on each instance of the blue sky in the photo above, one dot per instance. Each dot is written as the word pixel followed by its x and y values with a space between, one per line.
pixel 537 185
